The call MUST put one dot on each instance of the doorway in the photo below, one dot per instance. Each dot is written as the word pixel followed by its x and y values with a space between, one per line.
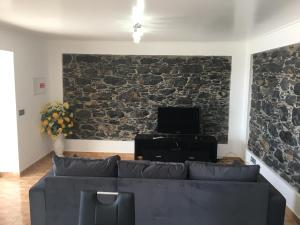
pixel 9 159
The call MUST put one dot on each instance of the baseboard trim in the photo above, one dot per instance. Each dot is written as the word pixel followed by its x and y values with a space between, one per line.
pixel 23 172
pixel 9 174
pixel 100 155
pixel 291 215
pixel 112 146
pixel 130 156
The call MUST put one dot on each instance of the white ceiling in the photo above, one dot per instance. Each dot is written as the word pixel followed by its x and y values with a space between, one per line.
pixel 165 20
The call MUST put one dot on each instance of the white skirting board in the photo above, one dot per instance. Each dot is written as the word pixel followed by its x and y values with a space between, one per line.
pixel 99 146
pixel 290 193
pixel 114 146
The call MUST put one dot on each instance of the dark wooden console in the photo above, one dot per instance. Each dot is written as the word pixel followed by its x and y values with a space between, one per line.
pixel 175 148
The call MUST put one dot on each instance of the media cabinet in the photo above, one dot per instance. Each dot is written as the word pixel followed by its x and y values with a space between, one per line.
pixel 175 148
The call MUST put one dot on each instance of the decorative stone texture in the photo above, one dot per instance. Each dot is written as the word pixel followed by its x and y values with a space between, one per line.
pixel 115 97
pixel 275 111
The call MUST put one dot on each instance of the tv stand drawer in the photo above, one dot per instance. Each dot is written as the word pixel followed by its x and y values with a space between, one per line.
pixel 176 148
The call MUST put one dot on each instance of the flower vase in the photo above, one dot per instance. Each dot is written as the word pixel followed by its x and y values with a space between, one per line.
pixel 59 145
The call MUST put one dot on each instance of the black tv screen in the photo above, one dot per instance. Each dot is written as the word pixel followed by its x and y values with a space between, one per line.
pixel 178 120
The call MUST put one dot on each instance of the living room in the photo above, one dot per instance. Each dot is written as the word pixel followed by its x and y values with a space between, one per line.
pixel 235 61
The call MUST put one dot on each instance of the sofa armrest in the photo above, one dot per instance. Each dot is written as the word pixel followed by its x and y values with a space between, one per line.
pixel 37 202
pixel 276 206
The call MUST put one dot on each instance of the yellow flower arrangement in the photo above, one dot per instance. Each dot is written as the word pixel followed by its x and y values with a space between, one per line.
pixel 56 119
pixel 66 105
pixel 60 121
pixel 55 115
pixel 45 123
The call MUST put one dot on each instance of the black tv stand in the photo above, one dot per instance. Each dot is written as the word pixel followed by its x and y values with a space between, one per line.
pixel 175 147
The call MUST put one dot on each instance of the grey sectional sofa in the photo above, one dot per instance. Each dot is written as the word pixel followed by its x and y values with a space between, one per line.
pixel 165 193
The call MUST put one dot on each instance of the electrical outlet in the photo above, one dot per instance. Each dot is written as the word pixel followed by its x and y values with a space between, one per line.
pixel 21 112
pixel 253 160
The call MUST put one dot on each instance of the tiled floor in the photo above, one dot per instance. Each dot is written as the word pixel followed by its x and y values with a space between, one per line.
pixel 14 206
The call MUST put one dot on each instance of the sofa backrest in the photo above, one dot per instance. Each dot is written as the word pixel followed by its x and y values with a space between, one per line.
pixel 178 202
pixel 62 195
pixel 76 166
pixel 151 170
pixel 163 196
pixel 220 172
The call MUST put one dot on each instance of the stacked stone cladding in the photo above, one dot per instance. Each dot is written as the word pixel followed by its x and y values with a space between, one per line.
pixel 116 96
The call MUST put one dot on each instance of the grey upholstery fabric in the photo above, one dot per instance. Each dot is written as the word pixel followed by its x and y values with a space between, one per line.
pixel 227 203
pixel 37 201
pixel 132 169
pixel 93 211
pixel 163 202
pixel 178 202
pixel 217 172
pixel 276 208
pixel 153 170
pixel 63 196
pixel 75 166
pixel 55 200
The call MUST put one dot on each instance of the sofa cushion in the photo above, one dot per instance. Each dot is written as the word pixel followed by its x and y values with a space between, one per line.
pixel 75 166
pixel 153 170
pixel 216 172
pixel 195 202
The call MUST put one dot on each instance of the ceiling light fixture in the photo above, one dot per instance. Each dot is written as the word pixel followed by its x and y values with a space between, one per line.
pixel 137 19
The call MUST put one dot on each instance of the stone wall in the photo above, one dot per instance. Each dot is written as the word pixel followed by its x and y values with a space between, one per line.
pixel 115 97
pixel 275 111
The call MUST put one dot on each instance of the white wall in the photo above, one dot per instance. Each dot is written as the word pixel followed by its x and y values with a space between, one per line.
pixel 30 59
pixel 238 94
pixel 9 160
pixel 278 38
pixel 283 36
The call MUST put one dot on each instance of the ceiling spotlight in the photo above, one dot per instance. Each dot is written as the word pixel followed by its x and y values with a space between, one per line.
pixel 137 33
pixel 137 19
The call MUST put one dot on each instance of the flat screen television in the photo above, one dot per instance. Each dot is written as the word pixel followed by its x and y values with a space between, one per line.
pixel 178 120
